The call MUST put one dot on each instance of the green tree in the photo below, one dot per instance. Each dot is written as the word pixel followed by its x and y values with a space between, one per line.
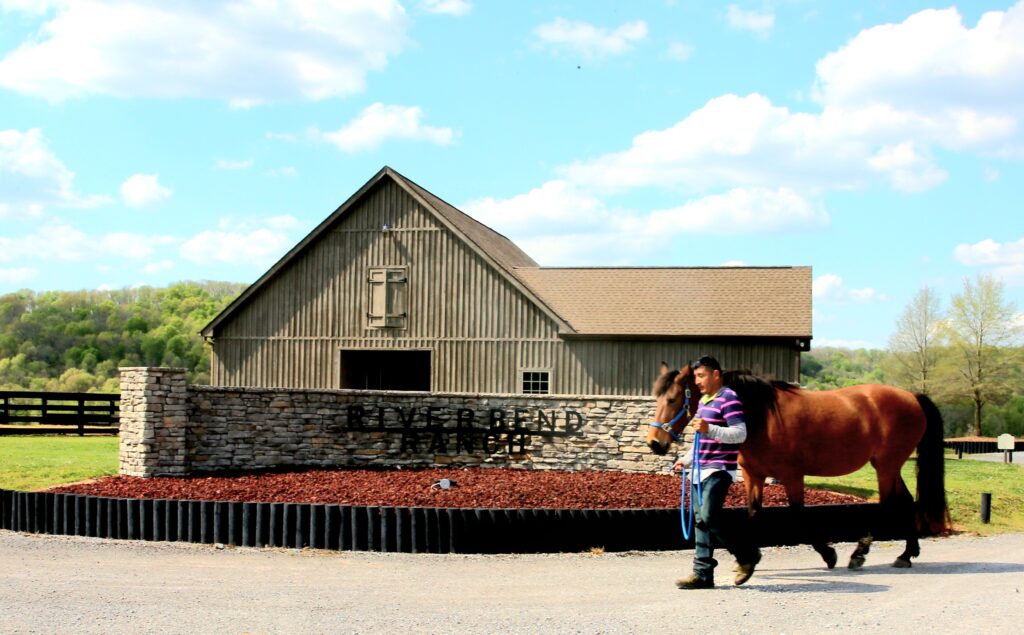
pixel 982 327
pixel 77 340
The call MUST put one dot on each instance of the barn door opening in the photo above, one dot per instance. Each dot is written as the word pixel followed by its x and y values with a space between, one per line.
pixel 365 369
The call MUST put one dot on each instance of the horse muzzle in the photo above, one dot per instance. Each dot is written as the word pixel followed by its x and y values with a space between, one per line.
pixel 657 447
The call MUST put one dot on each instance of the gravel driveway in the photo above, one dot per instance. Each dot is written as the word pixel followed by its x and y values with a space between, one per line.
pixel 59 584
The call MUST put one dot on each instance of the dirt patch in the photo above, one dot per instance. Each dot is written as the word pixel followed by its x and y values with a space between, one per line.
pixel 470 487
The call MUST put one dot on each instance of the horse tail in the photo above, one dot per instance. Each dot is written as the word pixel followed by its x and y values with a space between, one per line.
pixel 932 511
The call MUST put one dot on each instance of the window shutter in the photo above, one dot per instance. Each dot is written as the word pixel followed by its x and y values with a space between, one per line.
pixel 396 291
pixel 377 313
pixel 387 302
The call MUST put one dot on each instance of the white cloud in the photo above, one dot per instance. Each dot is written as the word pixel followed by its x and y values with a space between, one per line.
pixel 990 252
pixel 132 246
pixel 283 222
pixel 379 122
pixel 590 41
pixel 62 242
pixel 157 267
pixel 680 51
pixel 748 141
pixel 560 223
pixel 287 170
pixel 32 177
pixel 741 211
pixel 933 63
pixel 555 207
pixel 241 243
pixel 758 22
pixel 233 164
pixel 245 52
pixel 1004 260
pixel 831 288
pixel 143 190
pixel 17 275
pixel 282 136
pixel 447 7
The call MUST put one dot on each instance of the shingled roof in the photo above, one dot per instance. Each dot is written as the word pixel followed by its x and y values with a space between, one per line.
pixel 678 301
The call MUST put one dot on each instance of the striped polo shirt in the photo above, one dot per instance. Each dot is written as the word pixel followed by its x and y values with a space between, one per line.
pixel 724 414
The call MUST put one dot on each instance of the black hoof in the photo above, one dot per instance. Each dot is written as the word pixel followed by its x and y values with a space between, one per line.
pixel 902 563
pixel 831 558
pixel 856 562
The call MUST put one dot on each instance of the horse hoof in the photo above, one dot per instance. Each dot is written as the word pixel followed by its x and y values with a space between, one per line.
pixel 831 559
pixel 856 563
pixel 901 563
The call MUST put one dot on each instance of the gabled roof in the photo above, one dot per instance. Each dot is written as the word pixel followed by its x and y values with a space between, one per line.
pixel 494 248
pixel 676 301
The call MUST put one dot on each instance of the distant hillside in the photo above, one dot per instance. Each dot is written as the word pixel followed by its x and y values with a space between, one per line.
pixel 76 340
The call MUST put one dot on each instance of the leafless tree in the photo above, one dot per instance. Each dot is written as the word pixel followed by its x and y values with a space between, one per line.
pixel 915 345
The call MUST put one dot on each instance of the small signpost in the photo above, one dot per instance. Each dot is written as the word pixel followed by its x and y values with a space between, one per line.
pixel 1005 442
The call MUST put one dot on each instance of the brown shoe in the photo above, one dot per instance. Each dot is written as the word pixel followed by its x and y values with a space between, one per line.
pixel 693 582
pixel 744 571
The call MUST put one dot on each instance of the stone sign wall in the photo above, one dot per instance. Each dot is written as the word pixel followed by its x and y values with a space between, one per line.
pixel 171 428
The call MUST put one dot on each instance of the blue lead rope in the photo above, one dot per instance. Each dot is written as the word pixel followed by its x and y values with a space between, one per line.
pixel 694 480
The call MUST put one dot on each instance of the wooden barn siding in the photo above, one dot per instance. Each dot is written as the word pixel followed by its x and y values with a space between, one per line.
pixel 588 368
pixel 476 323
pixel 600 367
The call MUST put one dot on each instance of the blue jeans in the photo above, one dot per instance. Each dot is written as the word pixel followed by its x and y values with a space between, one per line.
pixel 710 532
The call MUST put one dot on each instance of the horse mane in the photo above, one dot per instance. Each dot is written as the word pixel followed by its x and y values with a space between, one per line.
pixel 759 395
pixel 662 383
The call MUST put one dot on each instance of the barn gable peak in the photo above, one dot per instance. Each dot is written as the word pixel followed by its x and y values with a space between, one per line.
pixel 497 250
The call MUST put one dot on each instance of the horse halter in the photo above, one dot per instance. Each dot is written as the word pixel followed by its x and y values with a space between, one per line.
pixel 667 427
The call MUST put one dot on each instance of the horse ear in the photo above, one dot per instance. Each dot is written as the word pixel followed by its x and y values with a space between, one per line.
pixel 664 367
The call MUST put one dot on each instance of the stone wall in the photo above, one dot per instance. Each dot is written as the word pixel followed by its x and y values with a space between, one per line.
pixel 154 421
pixel 170 428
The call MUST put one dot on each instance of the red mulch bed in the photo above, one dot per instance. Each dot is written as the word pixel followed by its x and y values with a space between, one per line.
pixel 473 487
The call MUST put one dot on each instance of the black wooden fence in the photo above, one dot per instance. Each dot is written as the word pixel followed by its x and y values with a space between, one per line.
pixel 405 529
pixel 979 446
pixel 54 412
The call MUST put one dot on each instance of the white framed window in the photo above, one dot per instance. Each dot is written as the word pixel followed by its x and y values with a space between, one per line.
pixel 387 307
pixel 535 381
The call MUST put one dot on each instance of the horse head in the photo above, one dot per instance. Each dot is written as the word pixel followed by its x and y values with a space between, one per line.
pixel 677 401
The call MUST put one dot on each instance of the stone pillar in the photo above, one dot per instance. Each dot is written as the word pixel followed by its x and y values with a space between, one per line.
pixel 154 417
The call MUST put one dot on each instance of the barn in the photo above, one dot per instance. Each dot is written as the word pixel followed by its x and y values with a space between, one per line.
pixel 399 290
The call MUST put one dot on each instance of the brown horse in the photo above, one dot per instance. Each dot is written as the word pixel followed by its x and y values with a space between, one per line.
pixel 793 433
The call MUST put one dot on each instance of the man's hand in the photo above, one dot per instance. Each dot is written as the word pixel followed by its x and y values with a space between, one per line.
pixel 699 425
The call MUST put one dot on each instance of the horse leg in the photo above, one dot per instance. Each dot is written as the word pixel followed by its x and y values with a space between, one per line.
pixel 901 508
pixel 795 493
pixel 754 484
pixel 864 544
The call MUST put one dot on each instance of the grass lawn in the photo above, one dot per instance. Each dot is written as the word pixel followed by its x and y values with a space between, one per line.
pixel 966 480
pixel 37 462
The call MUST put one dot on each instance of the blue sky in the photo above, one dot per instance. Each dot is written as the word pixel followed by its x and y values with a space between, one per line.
pixel 880 143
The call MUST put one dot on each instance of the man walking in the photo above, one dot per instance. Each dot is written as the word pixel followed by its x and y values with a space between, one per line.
pixel 720 422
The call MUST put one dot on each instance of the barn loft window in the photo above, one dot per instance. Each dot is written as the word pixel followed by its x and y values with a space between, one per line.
pixel 536 382
pixel 387 303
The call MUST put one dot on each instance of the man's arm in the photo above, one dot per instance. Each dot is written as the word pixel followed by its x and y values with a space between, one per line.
pixel 735 428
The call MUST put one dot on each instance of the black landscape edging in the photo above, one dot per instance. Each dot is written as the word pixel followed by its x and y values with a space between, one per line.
pixel 405 529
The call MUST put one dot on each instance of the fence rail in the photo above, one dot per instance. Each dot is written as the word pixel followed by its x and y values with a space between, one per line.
pixel 93 413
pixel 410 529
pixel 979 446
